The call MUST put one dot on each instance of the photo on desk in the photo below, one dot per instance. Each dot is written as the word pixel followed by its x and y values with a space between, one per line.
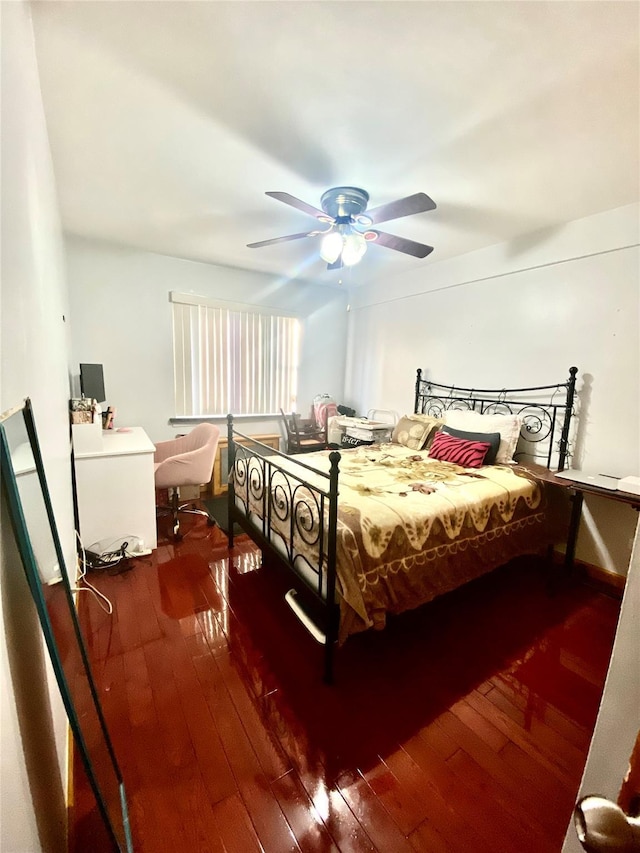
pixel 28 503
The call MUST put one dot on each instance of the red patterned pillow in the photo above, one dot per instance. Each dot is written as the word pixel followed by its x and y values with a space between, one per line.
pixel 448 448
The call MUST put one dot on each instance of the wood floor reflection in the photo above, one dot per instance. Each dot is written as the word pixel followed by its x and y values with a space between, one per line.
pixel 463 726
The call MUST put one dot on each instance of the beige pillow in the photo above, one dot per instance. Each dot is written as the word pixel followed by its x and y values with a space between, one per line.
pixel 507 425
pixel 415 431
pixel 436 424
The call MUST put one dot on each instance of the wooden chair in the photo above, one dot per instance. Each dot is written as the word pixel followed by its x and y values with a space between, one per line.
pixel 303 436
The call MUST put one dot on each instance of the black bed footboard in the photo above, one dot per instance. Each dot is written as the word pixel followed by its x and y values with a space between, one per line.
pixel 290 510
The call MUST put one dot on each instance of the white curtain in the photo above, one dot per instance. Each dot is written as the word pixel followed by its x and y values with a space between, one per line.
pixel 229 359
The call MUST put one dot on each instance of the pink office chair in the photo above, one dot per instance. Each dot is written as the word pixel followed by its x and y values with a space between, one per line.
pixel 185 461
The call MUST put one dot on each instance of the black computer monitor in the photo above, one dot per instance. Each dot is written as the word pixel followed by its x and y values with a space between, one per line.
pixel 92 382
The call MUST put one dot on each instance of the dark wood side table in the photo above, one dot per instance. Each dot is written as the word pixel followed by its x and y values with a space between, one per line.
pixel 578 491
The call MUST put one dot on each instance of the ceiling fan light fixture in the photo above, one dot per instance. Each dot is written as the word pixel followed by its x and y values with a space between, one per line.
pixel 331 246
pixel 353 249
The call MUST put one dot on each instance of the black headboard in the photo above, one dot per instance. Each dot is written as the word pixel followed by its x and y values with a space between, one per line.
pixel 546 411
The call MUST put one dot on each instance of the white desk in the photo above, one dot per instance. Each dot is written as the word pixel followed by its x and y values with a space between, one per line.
pixel 115 486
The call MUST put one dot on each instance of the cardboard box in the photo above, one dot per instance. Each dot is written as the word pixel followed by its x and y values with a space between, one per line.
pixel 189 493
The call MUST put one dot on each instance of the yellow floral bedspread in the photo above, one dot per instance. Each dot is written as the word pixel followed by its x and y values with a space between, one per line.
pixel 411 528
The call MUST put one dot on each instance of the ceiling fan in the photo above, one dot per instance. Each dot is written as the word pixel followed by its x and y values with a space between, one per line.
pixel 344 242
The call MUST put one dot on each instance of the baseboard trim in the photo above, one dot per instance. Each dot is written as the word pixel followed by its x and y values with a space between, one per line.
pixel 615 583
pixel 609 582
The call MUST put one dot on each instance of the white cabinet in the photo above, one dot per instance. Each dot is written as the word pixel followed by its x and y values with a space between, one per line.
pixel 115 486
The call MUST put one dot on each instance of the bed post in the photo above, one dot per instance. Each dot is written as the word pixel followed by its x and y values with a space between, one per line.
pixel 231 460
pixel 331 632
pixel 415 402
pixel 564 437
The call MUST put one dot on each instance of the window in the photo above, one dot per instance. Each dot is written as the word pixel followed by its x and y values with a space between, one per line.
pixel 232 358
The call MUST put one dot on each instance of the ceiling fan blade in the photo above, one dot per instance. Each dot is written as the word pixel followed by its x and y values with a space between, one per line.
pixel 401 244
pixel 417 203
pixel 296 202
pixel 281 239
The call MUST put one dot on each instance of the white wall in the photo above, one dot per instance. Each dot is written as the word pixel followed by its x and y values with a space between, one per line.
pixel 121 318
pixel 520 314
pixel 618 720
pixel 34 362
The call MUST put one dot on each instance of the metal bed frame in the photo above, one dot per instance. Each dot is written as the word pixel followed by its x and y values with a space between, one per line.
pixel 309 512
pixel 543 408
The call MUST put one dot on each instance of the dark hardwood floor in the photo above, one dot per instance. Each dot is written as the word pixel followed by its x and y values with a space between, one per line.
pixel 463 726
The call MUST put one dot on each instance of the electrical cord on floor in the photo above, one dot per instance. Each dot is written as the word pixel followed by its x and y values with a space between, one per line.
pixel 95 561
pixel 105 558
pixel 107 554
pixel 113 555
pixel 85 586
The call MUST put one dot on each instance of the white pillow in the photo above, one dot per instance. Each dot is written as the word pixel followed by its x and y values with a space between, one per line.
pixel 507 425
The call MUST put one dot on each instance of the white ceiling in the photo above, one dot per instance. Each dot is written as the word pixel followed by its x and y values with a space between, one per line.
pixel 169 121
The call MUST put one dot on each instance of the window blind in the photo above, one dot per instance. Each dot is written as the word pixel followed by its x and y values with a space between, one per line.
pixel 233 359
